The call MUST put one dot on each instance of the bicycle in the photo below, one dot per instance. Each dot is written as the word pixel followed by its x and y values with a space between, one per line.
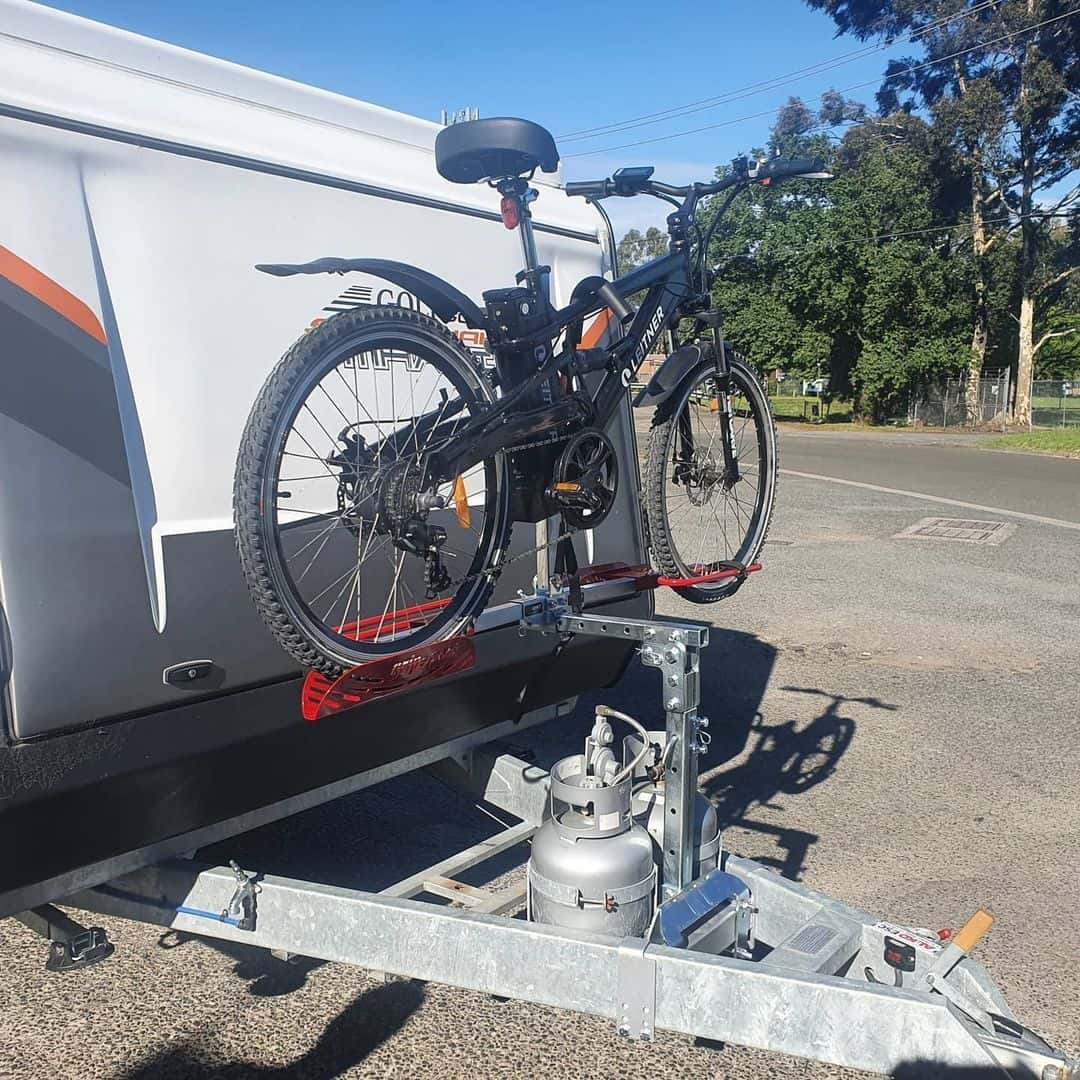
pixel 417 492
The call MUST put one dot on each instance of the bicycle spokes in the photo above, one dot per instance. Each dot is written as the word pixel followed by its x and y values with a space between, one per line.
pixel 370 538
pixel 713 481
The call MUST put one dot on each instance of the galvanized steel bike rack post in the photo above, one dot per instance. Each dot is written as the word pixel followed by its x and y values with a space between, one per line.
pixel 674 648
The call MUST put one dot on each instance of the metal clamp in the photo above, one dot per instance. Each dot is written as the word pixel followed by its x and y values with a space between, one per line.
pixel 242 904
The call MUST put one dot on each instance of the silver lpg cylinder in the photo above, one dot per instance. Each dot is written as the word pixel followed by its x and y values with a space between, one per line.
pixel 648 804
pixel 592 868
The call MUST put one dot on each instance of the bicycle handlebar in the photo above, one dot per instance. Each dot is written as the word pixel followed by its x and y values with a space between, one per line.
pixel 638 181
pixel 771 169
pixel 782 168
pixel 590 189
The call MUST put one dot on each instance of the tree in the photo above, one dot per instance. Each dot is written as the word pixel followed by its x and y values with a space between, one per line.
pixel 1056 293
pixel 635 249
pixel 998 81
pixel 856 274
pixel 1044 73
pixel 967 111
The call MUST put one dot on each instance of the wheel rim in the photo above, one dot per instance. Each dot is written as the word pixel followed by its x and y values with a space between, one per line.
pixel 710 519
pixel 331 544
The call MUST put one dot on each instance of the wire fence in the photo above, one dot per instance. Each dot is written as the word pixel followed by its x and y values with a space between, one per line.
pixel 1055 403
pixel 944 404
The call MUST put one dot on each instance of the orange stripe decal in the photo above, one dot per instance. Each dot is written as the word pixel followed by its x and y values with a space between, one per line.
pixel 595 332
pixel 46 290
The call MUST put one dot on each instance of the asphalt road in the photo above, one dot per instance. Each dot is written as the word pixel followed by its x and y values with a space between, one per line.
pixel 896 722
pixel 950 466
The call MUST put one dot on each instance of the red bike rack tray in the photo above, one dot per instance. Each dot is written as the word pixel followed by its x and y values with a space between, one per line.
pixel 322 697
pixel 645 579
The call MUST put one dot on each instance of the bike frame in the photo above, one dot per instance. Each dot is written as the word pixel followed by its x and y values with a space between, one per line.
pixel 666 281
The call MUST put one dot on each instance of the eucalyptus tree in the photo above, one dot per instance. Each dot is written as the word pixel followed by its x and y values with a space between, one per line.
pixel 857 276
pixel 998 78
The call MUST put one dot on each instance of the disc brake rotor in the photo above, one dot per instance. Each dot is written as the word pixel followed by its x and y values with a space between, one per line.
pixel 702 480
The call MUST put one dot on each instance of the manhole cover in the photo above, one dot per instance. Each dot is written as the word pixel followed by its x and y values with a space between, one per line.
pixel 962 529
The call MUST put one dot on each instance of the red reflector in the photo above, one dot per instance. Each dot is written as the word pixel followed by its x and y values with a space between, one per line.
pixel 511 211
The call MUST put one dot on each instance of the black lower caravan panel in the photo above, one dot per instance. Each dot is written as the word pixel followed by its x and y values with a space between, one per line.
pixel 74 808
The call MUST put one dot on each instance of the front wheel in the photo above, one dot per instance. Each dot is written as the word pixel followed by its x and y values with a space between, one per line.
pixel 702 512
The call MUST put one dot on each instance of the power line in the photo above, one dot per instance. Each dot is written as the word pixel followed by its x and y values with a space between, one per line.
pixel 827 244
pixel 843 90
pixel 769 84
pixel 854 86
pixel 753 89
pixel 722 99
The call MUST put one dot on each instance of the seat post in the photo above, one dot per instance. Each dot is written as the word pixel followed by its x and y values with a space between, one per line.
pixel 528 239
pixel 518 188
pixel 540 274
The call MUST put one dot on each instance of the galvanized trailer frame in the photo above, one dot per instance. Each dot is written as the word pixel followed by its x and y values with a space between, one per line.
pixel 768 963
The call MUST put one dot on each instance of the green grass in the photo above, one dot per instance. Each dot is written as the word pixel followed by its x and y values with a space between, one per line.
pixel 1064 441
pixel 1069 404
pixel 797 408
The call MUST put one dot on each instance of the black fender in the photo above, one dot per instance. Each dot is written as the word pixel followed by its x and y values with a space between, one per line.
pixel 660 389
pixel 443 299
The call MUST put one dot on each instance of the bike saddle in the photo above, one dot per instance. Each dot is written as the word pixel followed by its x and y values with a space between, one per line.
pixel 492 149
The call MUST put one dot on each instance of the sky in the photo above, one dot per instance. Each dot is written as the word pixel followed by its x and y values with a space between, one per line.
pixel 569 66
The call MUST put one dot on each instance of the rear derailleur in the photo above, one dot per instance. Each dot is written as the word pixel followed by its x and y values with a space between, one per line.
pixel 419 537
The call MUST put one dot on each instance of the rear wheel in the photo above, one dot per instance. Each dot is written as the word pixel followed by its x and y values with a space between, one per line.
pixel 699 515
pixel 352 547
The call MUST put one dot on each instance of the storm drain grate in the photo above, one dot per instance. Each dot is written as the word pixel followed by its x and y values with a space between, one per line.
pixel 962 529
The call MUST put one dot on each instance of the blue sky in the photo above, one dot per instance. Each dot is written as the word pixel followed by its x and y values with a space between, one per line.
pixel 569 66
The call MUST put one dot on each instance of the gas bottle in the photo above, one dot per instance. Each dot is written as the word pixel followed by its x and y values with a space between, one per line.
pixel 592 866
pixel 648 804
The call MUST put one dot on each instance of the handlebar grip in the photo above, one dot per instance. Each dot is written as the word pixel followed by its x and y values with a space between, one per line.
pixel 590 189
pixel 621 309
pixel 778 168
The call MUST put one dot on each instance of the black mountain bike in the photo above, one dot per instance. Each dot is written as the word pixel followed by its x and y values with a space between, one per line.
pixel 382 465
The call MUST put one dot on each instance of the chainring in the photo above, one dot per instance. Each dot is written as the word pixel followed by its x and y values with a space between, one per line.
pixel 585 479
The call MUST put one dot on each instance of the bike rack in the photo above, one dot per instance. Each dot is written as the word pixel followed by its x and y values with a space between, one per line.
pixel 321 697
pixel 741 955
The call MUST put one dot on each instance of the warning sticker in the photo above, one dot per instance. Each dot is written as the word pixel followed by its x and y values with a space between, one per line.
pixel 909 937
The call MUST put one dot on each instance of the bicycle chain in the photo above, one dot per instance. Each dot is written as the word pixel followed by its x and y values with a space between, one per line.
pixel 537 442
pixel 533 551
pixel 497 570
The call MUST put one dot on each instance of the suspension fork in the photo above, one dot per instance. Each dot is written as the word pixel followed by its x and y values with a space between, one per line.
pixel 723 405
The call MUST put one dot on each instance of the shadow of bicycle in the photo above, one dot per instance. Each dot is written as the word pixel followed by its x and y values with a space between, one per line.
pixel 751 761
pixel 785 758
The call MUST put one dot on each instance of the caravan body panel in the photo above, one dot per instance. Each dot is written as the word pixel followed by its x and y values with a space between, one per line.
pixel 141 185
